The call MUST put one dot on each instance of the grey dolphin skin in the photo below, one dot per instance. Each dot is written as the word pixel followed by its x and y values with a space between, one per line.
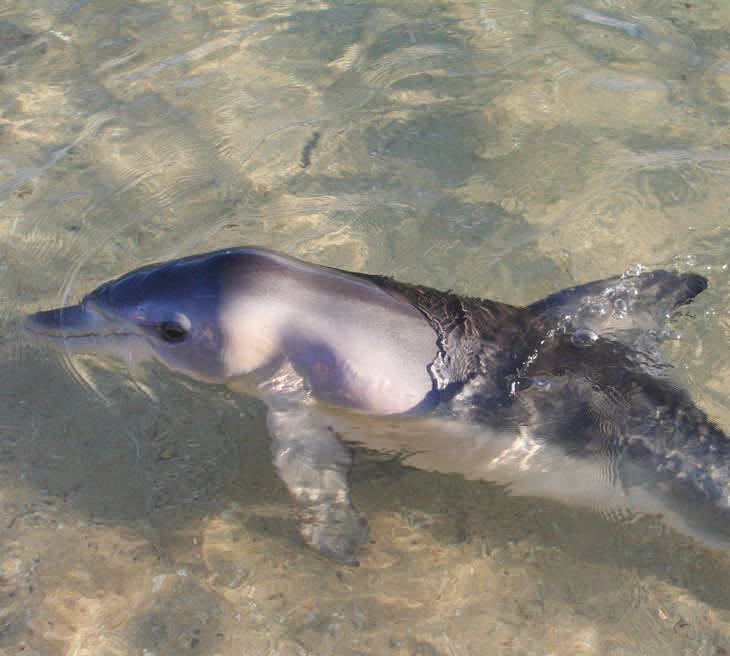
pixel 568 397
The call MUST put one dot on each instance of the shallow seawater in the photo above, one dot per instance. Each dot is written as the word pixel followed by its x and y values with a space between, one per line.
pixel 504 149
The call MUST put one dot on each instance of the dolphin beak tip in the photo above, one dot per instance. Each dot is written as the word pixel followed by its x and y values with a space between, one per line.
pixel 69 321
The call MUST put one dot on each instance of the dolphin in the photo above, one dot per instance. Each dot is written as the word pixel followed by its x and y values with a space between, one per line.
pixel 569 397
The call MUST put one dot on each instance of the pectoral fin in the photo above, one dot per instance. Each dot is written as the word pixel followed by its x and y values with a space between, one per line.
pixel 315 466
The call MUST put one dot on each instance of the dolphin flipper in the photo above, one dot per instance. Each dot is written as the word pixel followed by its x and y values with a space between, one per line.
pixel 315 466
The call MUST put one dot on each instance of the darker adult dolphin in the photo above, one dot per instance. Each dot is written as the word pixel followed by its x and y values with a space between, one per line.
pixel 567 397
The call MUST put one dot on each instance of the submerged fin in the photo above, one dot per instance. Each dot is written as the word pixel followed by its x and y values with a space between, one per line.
pixel 315 467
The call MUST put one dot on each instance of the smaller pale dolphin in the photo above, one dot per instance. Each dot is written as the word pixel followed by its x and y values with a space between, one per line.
pixel 566 397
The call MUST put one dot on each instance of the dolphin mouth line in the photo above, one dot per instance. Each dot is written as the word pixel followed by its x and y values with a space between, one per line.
pixel 71 334
pixel 75 323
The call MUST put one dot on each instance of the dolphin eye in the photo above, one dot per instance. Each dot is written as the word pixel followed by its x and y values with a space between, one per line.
pixel 172 332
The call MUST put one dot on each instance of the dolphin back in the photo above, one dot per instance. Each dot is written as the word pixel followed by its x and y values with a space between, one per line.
pixel 598 386
pixel 492 341
pixel 581 370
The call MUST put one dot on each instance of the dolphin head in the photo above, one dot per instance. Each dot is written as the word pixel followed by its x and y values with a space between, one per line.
pixel 243 312
pixel 169 312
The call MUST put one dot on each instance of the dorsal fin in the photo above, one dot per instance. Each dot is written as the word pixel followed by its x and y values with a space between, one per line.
pixel 621 306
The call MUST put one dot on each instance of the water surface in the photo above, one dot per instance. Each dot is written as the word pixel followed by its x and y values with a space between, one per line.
pixel 502 149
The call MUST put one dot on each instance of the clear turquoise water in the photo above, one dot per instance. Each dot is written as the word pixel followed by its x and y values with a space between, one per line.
pixel 502 149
